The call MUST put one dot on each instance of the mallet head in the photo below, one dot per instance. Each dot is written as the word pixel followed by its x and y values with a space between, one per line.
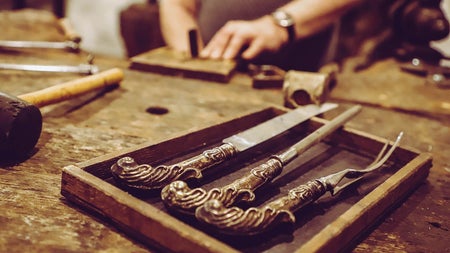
pixel 20 127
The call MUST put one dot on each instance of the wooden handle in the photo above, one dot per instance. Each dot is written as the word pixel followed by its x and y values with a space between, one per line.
pixel 68 30
pixel 74 88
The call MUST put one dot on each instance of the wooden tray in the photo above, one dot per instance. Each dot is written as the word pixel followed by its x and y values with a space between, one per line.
pixel 328 225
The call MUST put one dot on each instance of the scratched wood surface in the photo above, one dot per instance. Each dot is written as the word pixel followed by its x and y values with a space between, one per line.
pixel 34 215
pixel 384 84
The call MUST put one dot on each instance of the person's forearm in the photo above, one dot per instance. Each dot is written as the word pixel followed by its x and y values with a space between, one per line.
pixel 311 16
pixel 177 17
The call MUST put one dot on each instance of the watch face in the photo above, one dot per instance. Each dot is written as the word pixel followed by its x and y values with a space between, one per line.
pixel 283 19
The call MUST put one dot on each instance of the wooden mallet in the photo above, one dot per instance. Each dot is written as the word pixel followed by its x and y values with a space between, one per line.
pixel 21 119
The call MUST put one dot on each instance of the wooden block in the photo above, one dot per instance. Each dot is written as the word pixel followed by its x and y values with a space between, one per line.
pixel 331 224
pixel 165 61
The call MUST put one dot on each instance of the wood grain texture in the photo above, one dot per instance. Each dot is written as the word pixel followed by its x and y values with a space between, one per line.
pixel 384 84
pixel 35 217
pixel 165 61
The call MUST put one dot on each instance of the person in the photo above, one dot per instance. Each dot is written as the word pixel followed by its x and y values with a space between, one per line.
pixel 289 34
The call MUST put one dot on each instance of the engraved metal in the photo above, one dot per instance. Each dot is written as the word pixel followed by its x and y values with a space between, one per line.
pixel 177 195
pixel 144 176
pixel 254 220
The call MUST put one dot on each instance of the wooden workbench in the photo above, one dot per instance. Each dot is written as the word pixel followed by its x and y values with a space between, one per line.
pixel 35 217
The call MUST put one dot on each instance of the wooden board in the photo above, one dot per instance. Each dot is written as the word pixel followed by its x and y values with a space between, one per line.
pixel 330 224
pixel 165 61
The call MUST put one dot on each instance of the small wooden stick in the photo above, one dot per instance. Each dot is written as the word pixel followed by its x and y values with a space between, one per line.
pixel 74 88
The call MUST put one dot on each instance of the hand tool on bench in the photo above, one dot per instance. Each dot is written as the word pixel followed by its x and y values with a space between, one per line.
pixel 143 176
pixel 434 74
pixel 266 76
pixel 178 196
pixel 86 69
pixel 71 44
pixel 21 119
pixel 193 42
pixel 66 45
pixel 255 220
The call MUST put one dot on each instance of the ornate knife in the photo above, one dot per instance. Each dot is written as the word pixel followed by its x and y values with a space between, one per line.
pixel 177 195
pixel 144 176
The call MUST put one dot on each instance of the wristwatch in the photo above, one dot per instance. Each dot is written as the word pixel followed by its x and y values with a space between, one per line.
pixel 285 20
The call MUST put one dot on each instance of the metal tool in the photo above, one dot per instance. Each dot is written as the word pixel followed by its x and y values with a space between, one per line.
pixel 87 69
pixel 144 176
pixel 266 76
pixel 179 196
pixel 256 220
pixel 193 42
pixel 436 75
pixel 303 87
pixel 66 45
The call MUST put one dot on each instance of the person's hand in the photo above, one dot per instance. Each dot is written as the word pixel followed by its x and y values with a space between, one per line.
pixel 257 36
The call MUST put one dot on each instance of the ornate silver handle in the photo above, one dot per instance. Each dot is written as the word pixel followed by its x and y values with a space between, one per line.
pixel 179 196
pixel 144 176
pixel 254 220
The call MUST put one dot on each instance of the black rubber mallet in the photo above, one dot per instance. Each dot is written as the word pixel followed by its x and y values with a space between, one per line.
pixel 21 119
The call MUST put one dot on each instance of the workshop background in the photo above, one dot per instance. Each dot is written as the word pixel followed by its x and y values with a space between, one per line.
pixel 98 23
pixel 35 216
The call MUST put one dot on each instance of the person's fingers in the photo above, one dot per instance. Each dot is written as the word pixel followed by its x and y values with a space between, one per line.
pixel 254 49
pixel 218 44
pixel 235 45
pixel 229 41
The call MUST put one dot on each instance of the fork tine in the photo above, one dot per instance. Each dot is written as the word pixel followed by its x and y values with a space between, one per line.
pixel 379 155
pixel 332 181
pixel 380 161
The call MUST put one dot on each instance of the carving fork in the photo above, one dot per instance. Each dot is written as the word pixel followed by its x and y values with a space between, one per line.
pixel 254 220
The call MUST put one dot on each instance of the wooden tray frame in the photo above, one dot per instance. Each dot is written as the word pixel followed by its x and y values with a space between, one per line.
pixel 89 184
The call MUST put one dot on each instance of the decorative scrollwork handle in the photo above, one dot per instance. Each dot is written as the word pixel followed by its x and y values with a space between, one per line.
pixel 144 176
pixel 179 196
pixel 234 220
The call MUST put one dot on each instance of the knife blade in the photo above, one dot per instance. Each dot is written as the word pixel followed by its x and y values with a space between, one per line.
pixel 143 176
pixel 273 127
